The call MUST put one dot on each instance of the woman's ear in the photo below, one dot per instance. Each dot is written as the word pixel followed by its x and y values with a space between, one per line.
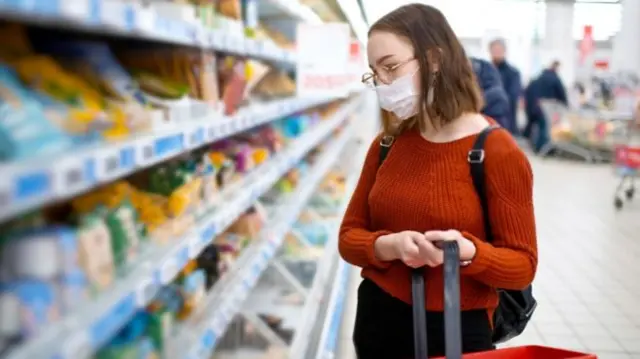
pixel 434 57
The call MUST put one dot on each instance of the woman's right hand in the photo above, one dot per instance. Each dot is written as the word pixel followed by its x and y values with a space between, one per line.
pixel 404 246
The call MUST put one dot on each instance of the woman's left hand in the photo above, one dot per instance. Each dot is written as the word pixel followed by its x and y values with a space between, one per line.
pixel 467 248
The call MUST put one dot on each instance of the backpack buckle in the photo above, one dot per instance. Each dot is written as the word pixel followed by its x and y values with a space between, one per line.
pixel 475 156
pixel 387 141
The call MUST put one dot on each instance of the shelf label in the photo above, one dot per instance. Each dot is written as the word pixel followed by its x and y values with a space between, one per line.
pixel 212 133
pixel 144 152
pixel 196 137
pixel 195 246
pixel 77 9
pixel 169 269
pixel 113 320
pixel 145 291
pixel 208 341
pixel 144 20
pixel 108 162
pixel 6 189
pixel 217 40
pixel 69 174
pixel 78 346
pixel 114 13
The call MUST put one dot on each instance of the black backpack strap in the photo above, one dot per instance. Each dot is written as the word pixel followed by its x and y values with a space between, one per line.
pixel 476 158
pixel 385 146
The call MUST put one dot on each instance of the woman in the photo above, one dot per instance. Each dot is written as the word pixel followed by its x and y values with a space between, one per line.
pixel 423 193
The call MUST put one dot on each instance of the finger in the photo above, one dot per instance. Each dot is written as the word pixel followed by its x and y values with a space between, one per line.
pixel 451 235
pixel 434 235
pixel 425 246
pixel 412 250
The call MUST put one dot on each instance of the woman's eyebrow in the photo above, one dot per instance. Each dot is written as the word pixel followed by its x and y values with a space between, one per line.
pixel 383 59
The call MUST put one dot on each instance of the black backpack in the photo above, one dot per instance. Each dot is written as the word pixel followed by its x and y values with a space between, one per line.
pixel 515 307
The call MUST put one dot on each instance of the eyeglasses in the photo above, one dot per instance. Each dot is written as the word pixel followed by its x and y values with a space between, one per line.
pixel 384 75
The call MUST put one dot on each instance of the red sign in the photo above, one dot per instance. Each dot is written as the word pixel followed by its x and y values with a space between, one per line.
pixel 587 44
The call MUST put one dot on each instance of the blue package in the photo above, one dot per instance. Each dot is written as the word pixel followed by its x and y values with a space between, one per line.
pixel 37 305
pixel 25 131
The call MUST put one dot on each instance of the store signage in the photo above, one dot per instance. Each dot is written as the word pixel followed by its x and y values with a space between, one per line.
pixel 324 53
pixel 587 43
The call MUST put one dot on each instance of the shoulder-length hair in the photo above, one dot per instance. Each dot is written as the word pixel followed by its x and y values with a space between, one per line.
pixel 455 89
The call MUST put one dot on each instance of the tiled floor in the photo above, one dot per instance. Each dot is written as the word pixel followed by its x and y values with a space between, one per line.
pixel 588 281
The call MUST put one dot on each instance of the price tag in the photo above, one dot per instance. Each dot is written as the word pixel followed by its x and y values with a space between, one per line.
pixel 145 20
pixel 113 13
pixel 145 291
pixel 208 339
pixel 169 269
pixel 6 186
pixel 223 128
pixel 218 320
pixel 230 43
pixel 212 133
pixel 144 152
pixel 196 137
pixel 77 9
pixel 195 245
pixel 78 346
pixel 217 40
pixel 108 163
pixel 68 175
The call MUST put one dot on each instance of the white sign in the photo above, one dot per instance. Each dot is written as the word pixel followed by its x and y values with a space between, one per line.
pixel 323 58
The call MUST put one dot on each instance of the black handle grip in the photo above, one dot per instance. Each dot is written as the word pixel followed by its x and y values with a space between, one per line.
pixel 419 314
pixel 453 334
pixel 451 273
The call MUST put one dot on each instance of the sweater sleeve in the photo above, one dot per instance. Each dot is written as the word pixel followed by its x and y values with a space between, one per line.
pixel 356 239
pixel 510 260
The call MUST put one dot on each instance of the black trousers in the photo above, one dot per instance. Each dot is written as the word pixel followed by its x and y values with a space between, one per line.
pixel 384 327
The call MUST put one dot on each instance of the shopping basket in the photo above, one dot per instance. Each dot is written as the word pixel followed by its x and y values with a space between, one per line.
pixel 453 343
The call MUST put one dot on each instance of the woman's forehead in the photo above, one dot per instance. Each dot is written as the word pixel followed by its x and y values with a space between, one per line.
pixel 384 45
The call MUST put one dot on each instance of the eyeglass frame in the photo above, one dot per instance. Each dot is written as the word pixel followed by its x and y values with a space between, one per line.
pixel 373 76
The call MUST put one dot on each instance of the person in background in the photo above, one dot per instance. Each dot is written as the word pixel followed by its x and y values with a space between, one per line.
pixel 547 86
pixel 496 101
pixel 511 81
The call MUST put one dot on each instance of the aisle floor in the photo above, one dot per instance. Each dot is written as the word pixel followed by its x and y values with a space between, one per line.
pixel 587 283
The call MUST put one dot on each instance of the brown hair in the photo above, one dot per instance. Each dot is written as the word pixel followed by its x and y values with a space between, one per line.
pixel 455 90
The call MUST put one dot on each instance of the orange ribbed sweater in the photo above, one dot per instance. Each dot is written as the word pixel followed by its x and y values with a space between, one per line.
pixel 424 186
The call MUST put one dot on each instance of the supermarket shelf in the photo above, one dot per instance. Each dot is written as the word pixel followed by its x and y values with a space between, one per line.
pixel 312 312
pixel 330 335
pixel 226 299
pixel 81 334
pixel 31 184
pixel 325 317
pixel 132 20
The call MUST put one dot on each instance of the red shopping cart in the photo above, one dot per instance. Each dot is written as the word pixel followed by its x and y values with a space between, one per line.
pixel 452 319
pixel 627 164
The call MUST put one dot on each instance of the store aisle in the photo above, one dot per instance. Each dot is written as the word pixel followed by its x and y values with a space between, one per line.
pixel 587 283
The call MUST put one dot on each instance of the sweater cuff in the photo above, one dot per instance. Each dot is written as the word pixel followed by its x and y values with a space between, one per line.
pixel 481 260
pixel 371 251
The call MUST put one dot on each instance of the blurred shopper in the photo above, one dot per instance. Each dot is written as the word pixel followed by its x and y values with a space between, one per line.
pixel 511 81
pixel 421 193
pixel 496 101
pixel 547 86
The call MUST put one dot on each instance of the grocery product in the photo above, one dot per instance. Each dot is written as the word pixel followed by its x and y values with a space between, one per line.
pixel 25 130
pixel 95 251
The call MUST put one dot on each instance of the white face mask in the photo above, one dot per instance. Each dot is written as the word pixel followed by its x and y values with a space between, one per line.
pixel 399 97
